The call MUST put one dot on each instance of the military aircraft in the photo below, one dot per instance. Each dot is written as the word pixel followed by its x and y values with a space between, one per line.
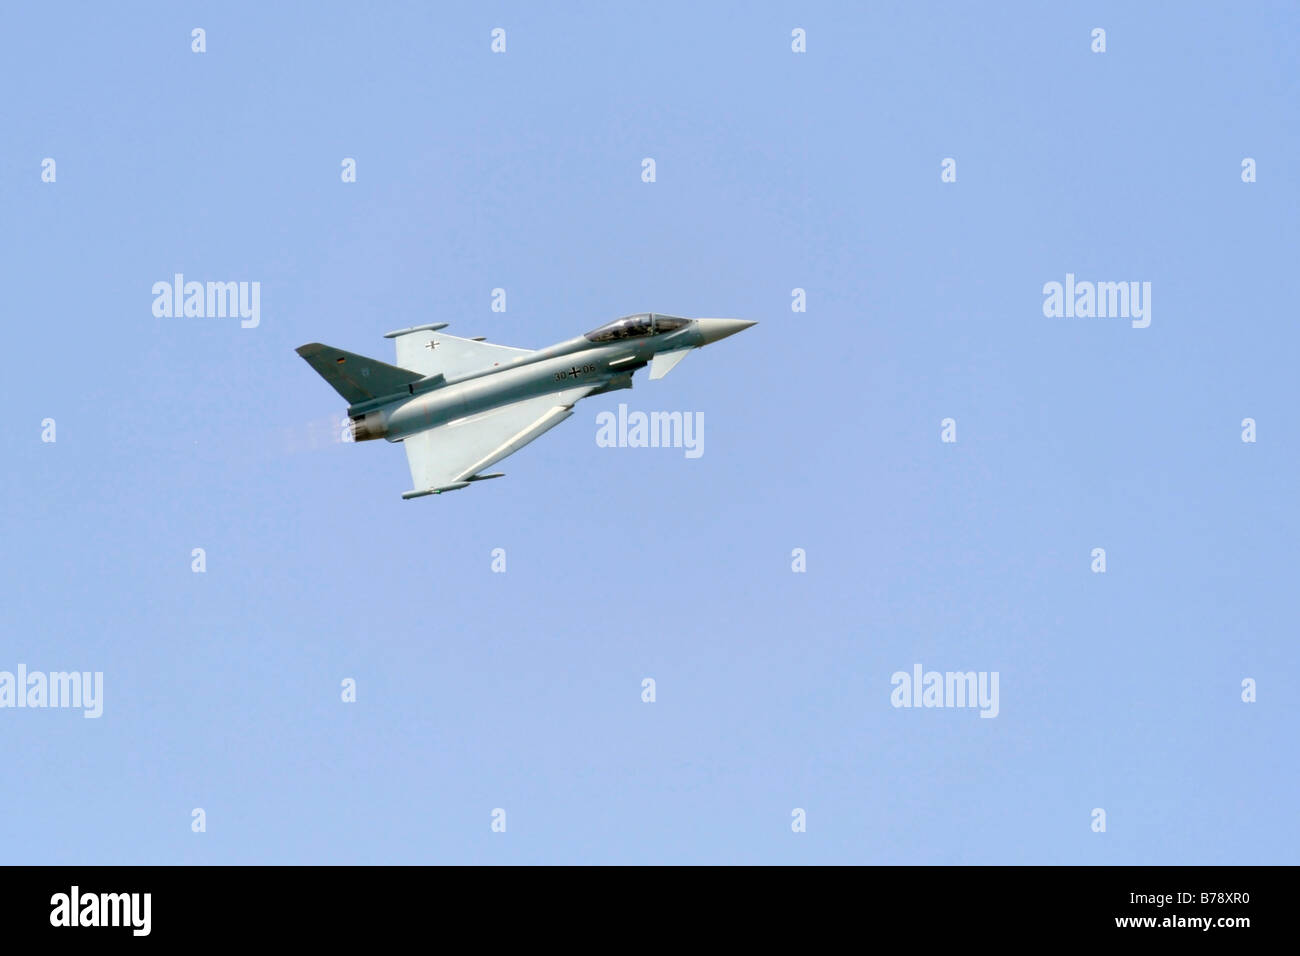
pixel 461 405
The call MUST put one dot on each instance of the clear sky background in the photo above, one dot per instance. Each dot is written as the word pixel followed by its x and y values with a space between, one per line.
pixel 775 170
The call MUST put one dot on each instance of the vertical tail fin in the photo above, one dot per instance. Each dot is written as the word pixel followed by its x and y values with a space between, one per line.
pixel 355 377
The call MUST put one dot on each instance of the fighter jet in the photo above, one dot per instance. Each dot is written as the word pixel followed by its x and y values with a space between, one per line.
pixel 461 405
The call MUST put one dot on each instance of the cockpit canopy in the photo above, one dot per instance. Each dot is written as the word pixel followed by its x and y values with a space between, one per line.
pixel 636 326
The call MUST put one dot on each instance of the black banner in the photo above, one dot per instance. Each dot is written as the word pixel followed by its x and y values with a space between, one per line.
pixel 972 904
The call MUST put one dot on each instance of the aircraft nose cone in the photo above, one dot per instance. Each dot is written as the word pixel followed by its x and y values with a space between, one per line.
pixel 714 329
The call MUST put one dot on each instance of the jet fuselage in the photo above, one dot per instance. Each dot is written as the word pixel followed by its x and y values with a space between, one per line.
pixel 466 404
pixel 569 364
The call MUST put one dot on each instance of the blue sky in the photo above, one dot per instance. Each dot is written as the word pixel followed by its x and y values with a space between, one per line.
pixel 774 171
